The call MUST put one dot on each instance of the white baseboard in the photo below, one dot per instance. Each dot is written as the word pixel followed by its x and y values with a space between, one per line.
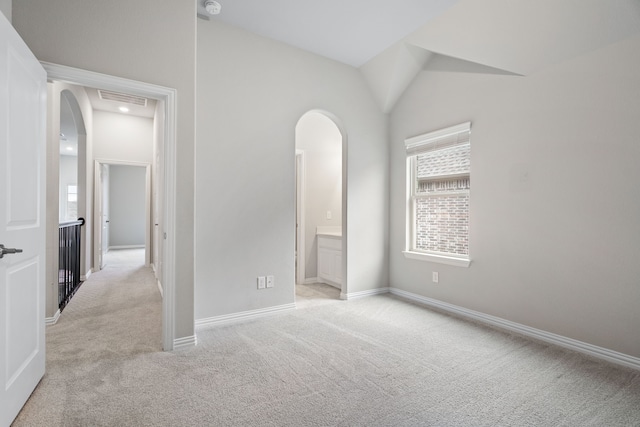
pixel 559 340
pixel 310 281
pixel 126 247
pixel 160 288
pixel 52 320
pixel 329 282
pixel 85 276
pixel 362 294
pixel 243 315
pixel 185 342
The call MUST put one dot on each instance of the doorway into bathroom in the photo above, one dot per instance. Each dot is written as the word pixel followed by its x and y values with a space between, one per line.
pixel 320 218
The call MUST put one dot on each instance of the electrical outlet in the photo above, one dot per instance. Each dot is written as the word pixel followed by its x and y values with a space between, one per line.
pixel 270 281
pixel 261 282
pixel 329 216
pixel 434 277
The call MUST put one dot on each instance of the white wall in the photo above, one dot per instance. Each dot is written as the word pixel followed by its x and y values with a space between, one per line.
pixel 554 199
pixel 252 92
pixel 122 137
pixel 321 141
pixel 139 41
pixel 127 220
pixel 68 176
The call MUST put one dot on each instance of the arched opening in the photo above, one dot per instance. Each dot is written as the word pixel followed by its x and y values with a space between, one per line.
pixel 320 249
pixel 73 167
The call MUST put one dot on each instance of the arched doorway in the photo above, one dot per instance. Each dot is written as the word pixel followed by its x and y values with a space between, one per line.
pixel 320 247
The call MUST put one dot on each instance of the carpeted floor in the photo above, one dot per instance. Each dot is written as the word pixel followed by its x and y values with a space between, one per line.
pixel 376 361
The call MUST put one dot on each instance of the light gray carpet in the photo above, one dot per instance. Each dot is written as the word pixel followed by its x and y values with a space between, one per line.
pixel 376 361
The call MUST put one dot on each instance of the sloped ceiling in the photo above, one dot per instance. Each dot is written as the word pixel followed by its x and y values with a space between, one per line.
pixel 516 37
pixel 349 31
pixel 391 42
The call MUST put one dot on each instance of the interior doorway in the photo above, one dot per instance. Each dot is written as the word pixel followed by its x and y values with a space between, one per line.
pixel 320 163
pixel 122 213
pixel 165 218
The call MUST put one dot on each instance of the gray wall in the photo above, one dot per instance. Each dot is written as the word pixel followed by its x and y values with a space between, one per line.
pixel 5 8
pixel 127 195
pixel 251 93
pixel 555 235
pixel 132 32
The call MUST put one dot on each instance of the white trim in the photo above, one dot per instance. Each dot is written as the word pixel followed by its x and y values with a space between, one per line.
pixel 160 288
pixel 168 95
pixel 86 275
pixel 363 294
pixel 300 207
pixel 559 340
pixel 330 283
pixel 428 138
pixel 127 247
pixel 243 315
pixel 185 342
pixel 441 259
pixel 311 280
pixel 50 321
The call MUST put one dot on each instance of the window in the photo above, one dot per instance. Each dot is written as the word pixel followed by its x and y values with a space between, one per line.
pixel 72 202
pixel 438 185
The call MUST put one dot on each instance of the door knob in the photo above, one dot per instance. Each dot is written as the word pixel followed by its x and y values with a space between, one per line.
pixel 6 251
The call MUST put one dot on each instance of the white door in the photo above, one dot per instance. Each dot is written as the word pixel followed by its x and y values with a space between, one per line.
pixel 23 91
pixel 104 182
pixel 102 202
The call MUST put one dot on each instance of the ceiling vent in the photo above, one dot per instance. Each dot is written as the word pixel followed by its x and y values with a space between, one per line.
pixel 122 98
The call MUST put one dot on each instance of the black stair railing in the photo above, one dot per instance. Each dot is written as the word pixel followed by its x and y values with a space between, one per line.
pixel 68 261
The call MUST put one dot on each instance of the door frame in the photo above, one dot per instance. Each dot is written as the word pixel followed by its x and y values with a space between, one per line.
pixel 168 95
pixel 97 203
pixel 300 230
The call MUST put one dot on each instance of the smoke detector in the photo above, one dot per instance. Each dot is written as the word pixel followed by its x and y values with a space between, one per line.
pixel 212 7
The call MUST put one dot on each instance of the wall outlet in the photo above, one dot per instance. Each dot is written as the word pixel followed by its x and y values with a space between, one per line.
pixel 270 281
pixel 434 277
pixel 261 282
pixel 329 216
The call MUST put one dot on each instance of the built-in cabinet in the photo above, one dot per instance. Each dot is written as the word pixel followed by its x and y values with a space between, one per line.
pixel 330 259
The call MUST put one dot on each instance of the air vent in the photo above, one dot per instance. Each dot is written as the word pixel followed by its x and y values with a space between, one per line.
pixel 122 98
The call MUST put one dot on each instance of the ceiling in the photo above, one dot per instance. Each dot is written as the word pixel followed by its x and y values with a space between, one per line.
pixel 68 132
pixel 349 31
pixel 391 42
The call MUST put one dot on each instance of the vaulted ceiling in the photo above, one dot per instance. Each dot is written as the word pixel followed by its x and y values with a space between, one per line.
pixel 391 42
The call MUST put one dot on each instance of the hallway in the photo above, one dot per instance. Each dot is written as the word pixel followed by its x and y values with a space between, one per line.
pixel 115 316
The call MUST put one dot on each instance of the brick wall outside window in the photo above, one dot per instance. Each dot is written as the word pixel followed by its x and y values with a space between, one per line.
pixel 442 204
pixel 439 176
pixel 442 224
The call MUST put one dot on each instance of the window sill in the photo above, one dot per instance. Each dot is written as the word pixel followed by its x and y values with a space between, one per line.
pixel 457 262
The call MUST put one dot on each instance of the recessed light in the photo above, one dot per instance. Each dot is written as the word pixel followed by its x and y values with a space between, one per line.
pixel 69 148
pixel 124 109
